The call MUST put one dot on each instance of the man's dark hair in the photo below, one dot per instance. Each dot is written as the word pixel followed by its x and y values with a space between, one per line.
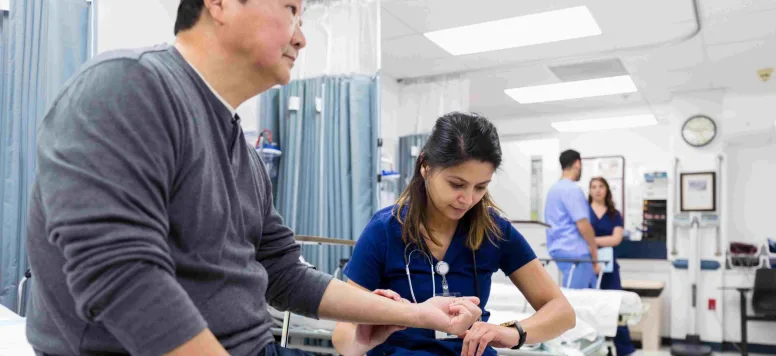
pixel 568 157
pixel 188 14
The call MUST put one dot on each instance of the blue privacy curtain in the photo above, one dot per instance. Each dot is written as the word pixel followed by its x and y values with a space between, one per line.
pixel 45 41
pixel 327 183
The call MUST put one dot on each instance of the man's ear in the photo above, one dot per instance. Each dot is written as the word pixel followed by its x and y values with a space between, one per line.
pixel 215 8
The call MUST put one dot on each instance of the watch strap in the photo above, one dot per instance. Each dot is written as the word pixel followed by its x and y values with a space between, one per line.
pixel 522 334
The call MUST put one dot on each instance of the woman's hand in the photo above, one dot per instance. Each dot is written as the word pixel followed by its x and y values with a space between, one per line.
pixel 368 336
pixel 482 335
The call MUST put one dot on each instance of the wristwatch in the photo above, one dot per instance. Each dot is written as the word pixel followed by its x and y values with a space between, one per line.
pixel 520 331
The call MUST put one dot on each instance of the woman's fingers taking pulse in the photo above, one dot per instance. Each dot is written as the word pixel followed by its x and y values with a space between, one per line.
pixel 388 294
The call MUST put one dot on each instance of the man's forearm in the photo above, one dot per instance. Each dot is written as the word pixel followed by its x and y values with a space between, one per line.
pixel 343 339
pixel 342 302
pixel 589 235
pixel 593 250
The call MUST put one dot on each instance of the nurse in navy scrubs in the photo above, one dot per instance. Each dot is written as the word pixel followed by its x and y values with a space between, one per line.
pixel 443 226
pixel 608 227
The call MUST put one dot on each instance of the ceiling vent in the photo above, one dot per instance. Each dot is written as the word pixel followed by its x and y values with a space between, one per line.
pixel 589 70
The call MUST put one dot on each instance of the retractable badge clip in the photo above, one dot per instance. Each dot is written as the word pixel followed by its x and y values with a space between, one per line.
pixel 442 268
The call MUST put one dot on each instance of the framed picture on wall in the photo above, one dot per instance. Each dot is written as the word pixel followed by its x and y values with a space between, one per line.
pixel 698 191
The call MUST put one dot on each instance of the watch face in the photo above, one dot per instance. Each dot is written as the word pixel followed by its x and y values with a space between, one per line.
pixel 699 130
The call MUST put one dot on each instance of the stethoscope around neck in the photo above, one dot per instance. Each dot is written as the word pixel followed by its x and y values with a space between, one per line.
pixel 441 268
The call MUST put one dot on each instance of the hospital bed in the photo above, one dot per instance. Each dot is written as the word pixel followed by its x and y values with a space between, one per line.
pixel 599 313
pixel 13 340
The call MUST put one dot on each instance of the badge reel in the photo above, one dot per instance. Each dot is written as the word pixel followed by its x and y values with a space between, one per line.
pixel 442 268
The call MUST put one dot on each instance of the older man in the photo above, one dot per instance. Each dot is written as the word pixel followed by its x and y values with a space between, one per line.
pixel 151 225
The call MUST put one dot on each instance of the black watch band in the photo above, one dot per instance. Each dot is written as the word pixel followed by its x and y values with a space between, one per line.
pixel 522 334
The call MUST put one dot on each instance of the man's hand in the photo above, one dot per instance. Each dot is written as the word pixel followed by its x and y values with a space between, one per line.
pixel 451 315
pixel 477 339
pixel 597 268
pixel 369 336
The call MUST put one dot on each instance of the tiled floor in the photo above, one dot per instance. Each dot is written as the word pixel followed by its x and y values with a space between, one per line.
pixel 667 352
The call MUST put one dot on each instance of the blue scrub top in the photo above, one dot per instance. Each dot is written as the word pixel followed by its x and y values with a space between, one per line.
pixel 378 263
pixel 566 204
pixel 606 224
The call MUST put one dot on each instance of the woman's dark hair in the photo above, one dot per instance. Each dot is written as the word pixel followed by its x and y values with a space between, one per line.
pixel 610 210
pixel 456 138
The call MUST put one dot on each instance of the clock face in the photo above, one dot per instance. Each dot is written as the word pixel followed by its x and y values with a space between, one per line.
pixel 699 130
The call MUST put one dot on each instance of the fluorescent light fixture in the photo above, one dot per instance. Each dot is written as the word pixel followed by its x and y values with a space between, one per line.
pixel 609 123
pixel 545 27
pixel 573 90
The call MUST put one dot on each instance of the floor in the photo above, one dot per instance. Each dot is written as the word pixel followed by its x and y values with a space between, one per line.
pixel 667 352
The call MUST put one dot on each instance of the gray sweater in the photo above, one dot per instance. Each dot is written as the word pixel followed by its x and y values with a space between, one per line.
pixel 151 219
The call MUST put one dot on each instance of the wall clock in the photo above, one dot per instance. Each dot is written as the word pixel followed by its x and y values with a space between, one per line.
pixel 699 130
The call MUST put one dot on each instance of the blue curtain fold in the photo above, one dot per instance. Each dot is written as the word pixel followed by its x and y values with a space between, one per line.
pixel 45 41
pixel 327 182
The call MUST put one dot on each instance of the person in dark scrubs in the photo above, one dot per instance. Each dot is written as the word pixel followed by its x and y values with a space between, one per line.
pixel 446 222
pixel 608 226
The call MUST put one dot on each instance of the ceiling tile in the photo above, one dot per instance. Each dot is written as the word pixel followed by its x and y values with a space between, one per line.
pixel 759 52
pixel 637 15
pixel 751 26
pixel 413 47
pixel 715 8
pixel 391 27
pixel 406 68
pixel 531 55
pixel 431 15
pixel 687 54
pixel 735 65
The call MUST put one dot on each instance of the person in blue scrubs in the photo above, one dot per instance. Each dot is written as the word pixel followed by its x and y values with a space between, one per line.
pixel 570 235
pixel 446 216
pixel 608 226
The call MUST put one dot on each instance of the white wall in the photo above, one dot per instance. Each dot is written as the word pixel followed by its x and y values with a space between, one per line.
pixel 546 149
pixel 511 185
pixel 751 160
pixel 750 150
pixel 118 28
pixel 752 169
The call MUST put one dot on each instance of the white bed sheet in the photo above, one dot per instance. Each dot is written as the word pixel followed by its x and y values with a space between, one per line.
pixel 13 338
pixel 599 308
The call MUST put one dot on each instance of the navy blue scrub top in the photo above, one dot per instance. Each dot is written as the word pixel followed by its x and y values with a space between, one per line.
pixel 378 263
pixel 606 224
